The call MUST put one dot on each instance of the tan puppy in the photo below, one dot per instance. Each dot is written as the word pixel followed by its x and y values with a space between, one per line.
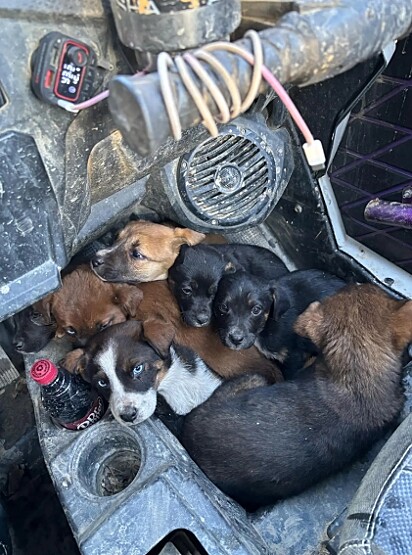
pixel 144 251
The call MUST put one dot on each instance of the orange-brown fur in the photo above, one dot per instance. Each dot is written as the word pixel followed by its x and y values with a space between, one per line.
pixel 365 356
pixel 85 304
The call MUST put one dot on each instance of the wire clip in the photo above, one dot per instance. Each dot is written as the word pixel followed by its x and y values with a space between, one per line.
pixel 315 155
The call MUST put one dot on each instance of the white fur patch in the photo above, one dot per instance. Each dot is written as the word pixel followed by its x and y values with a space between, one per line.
pixel 121 400
pixel 103 252
pixel 185 389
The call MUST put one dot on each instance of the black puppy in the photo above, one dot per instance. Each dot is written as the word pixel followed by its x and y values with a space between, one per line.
pixel 195 275
pixel 253 311
pixel 28 331
pixel 259 443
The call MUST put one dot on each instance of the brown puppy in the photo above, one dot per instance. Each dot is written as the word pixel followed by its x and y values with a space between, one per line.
pixel 143 251
pixel 86 305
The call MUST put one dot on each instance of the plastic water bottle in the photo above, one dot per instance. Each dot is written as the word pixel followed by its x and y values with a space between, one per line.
pixel 66 397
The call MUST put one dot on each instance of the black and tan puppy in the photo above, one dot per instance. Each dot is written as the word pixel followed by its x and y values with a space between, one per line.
pixel 195 276
pixel 250 311
pixel 260 443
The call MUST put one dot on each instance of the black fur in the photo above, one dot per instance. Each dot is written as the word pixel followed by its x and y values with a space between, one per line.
pixel 261 443
pixel 28 332
pixel 249 310
pixel 173 422
pixel 196 273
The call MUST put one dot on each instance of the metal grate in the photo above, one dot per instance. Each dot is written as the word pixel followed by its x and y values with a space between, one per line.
pixel 374 159
pixel 227 179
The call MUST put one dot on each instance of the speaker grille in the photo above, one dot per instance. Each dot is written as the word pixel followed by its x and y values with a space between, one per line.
pixel 228 179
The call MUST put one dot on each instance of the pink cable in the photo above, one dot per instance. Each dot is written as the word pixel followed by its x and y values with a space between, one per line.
pixel 288 102
pixel 269 78
pixel 92 101
pixel 284 97
pixel 99 97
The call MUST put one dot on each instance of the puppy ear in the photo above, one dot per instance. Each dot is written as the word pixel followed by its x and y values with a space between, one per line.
pixel 281 299
pixel 229 268
pixel 188 236
pixel 75 361
pixel 402 325
pixel 310 323
pixel 43 311
pixel 128 297
pixel 159 335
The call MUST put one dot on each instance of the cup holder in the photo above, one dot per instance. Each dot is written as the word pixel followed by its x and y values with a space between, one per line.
pixel 109 462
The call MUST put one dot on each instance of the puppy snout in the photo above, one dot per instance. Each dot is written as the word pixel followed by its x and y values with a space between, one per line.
pixel 236 337
pixel 202 319
pixel 97 261
pixel 128 415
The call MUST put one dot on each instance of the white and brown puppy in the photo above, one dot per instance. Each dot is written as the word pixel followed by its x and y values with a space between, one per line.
pixel 130 363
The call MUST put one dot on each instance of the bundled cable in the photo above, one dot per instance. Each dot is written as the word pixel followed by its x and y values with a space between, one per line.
pixel 186 62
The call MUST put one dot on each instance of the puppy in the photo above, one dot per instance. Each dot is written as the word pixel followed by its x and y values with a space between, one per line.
pixel 28 329
pixel 260 443
pixel 131 363
pixel 250 311
pixel 143 251
pixel 197 271
pixel 85 305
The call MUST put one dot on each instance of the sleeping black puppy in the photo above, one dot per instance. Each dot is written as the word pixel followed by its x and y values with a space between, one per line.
pixel 195 275
pixel 249 310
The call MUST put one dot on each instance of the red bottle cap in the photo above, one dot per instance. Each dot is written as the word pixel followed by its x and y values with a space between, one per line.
pixel 44 372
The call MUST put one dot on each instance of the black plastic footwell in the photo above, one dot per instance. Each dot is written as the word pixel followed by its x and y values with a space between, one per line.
pixel 30 231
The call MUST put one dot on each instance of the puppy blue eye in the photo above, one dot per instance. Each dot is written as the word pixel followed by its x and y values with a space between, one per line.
pixel 103 383
pixel 137 254
pixel 137 370
pixel 71 331
pixel 256 310
pixel 186 290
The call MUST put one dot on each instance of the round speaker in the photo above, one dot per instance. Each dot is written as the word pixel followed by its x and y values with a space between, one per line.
pixel 234 179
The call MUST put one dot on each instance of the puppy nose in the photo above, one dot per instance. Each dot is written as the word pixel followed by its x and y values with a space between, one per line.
pixel 97 261
pixel 128 415
pixel 202 318
pixel 18 345
pixel 236 337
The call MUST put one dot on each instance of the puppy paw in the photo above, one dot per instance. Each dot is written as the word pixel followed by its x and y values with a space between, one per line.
pixel 72 361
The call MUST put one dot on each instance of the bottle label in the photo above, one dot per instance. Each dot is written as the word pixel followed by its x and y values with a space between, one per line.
pixel 94 415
